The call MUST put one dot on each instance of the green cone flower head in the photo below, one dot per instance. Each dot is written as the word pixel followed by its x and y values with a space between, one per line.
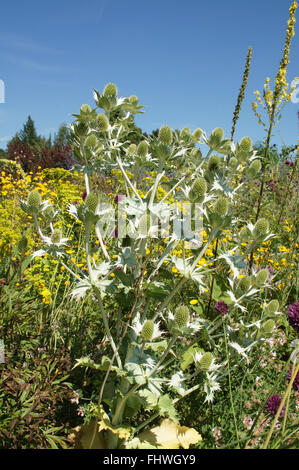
pixel 233 163
pixel 206 361
pixel 134 100
pixel 103 122
pixel 148 330
pixel 195 154
pixel 34 199
pixel 214 163
pixel 85 108
pixel 110 91
pixel 131 150
pixel 244 234
pixel 254 168
pixel 197 133
pixel 218 132
pixel 56 236
pixel 221 206
pixel 215 138
pixel 199 189
pixel 268 326
pixel 261 228
pixel 246 144
pixel 91 202
pixel 142 148
pixel 261 277
pixel 91 141
pixel 181 316
pixel 244 283
pixel 165 135
pixel 185 131
pixel 272 307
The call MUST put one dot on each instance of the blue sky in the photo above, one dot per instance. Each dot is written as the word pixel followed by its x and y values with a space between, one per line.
pixel 183 59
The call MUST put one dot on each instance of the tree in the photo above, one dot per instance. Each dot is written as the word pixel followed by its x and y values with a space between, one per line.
pixel 28 135
pixel 63 135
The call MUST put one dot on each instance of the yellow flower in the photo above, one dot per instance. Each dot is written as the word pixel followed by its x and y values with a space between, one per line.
pixel 193 302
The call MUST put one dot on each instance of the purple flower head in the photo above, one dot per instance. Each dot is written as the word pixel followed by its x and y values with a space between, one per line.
pixel 221 307
pixel 84 194
pixel 118 198
pixel 273 404
pixel 293 315
pixel 296 381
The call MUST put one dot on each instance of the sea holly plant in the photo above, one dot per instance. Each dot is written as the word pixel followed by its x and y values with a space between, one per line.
pixel 160 348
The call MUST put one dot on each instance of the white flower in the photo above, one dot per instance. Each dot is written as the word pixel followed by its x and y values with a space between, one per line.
pixel 176 382
pixel 213 366
pixel 137 326
pixel 210 387
pixel 191 326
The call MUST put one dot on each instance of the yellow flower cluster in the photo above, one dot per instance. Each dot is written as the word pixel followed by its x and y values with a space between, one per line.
pixel 274 101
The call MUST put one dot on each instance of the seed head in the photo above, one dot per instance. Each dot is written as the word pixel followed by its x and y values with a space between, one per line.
pixel 56 235
pixel 91 141
pixel 142 148
pixel 221 206
pixel 103 122
pixel 91 202
pixel 233 163
pixel 110 90
pixel 261 228
pixel 34 199
pixel 85 108
pixel 181 316
pixel 246 144
pixel 254 168
pixel 131 150
pixel 165 135
pixel 148 330
pixel 206 361
pixel 197 133
pixel 199 189
pixel 214 163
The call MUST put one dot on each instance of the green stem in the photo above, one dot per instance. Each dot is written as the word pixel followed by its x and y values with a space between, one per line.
pixel 287 392
pixel 230 386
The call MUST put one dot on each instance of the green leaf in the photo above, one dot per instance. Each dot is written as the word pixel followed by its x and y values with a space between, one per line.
pixel 166 407
pixel 156 346
pixel 149 399
pixel 187 358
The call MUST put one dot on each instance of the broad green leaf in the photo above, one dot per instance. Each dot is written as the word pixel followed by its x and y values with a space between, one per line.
pixel 169 435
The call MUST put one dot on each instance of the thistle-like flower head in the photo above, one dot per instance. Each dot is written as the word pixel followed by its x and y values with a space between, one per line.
pixel 165 135
pixel 261 228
